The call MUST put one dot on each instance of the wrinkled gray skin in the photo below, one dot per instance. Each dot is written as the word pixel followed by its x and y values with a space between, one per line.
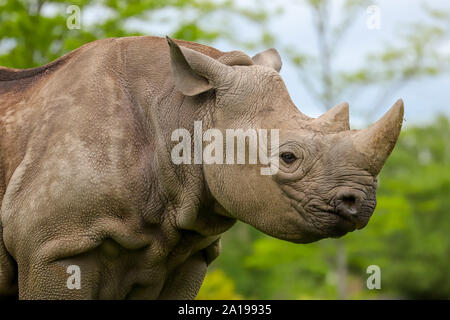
pixel 86 177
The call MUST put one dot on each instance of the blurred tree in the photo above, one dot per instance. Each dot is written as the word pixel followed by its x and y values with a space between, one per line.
pixel 34 32
pixel 413 54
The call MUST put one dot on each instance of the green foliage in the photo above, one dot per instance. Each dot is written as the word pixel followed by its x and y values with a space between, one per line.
pixel 34 32
pixel 218 285
pixel 418 172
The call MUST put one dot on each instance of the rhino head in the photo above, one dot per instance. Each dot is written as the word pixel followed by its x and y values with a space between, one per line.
pixel 326 181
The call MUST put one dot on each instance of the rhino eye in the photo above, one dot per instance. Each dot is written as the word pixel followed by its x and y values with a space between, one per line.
pixel 288 157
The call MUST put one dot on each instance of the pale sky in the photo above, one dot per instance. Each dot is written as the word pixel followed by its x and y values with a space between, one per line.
pixel 423 98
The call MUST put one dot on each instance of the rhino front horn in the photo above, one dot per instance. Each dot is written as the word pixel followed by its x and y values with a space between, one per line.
pixel 377 141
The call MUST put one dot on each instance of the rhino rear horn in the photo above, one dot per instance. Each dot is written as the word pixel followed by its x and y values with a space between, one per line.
pixel 337 117
pixel 194 72
pixel 270 58
pixel 377 141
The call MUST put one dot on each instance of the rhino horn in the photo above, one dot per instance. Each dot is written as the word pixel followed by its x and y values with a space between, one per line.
pixel 337 117
pixel 194 72
pixel 377 141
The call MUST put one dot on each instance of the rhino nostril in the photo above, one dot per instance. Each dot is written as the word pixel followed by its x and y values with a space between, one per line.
pixel 346 205
pixel 350 203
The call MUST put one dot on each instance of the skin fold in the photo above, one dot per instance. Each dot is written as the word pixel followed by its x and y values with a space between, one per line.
pixel 86 176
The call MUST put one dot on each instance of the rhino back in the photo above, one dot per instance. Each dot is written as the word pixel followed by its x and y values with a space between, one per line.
pixel 82 88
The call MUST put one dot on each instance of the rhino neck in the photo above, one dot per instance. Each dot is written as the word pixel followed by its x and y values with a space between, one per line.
pixel 144 68
pixel 183 187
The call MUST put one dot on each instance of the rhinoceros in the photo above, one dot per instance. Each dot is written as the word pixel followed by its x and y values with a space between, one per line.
pixel 88 187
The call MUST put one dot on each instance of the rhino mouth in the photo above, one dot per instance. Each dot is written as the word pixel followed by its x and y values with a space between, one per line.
pixel 351 221
pixel 326 221
pixel 347 211
pixel 345 224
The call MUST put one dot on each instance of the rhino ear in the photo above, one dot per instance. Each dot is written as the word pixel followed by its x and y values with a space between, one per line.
pixel 194 72
pixel 270 58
